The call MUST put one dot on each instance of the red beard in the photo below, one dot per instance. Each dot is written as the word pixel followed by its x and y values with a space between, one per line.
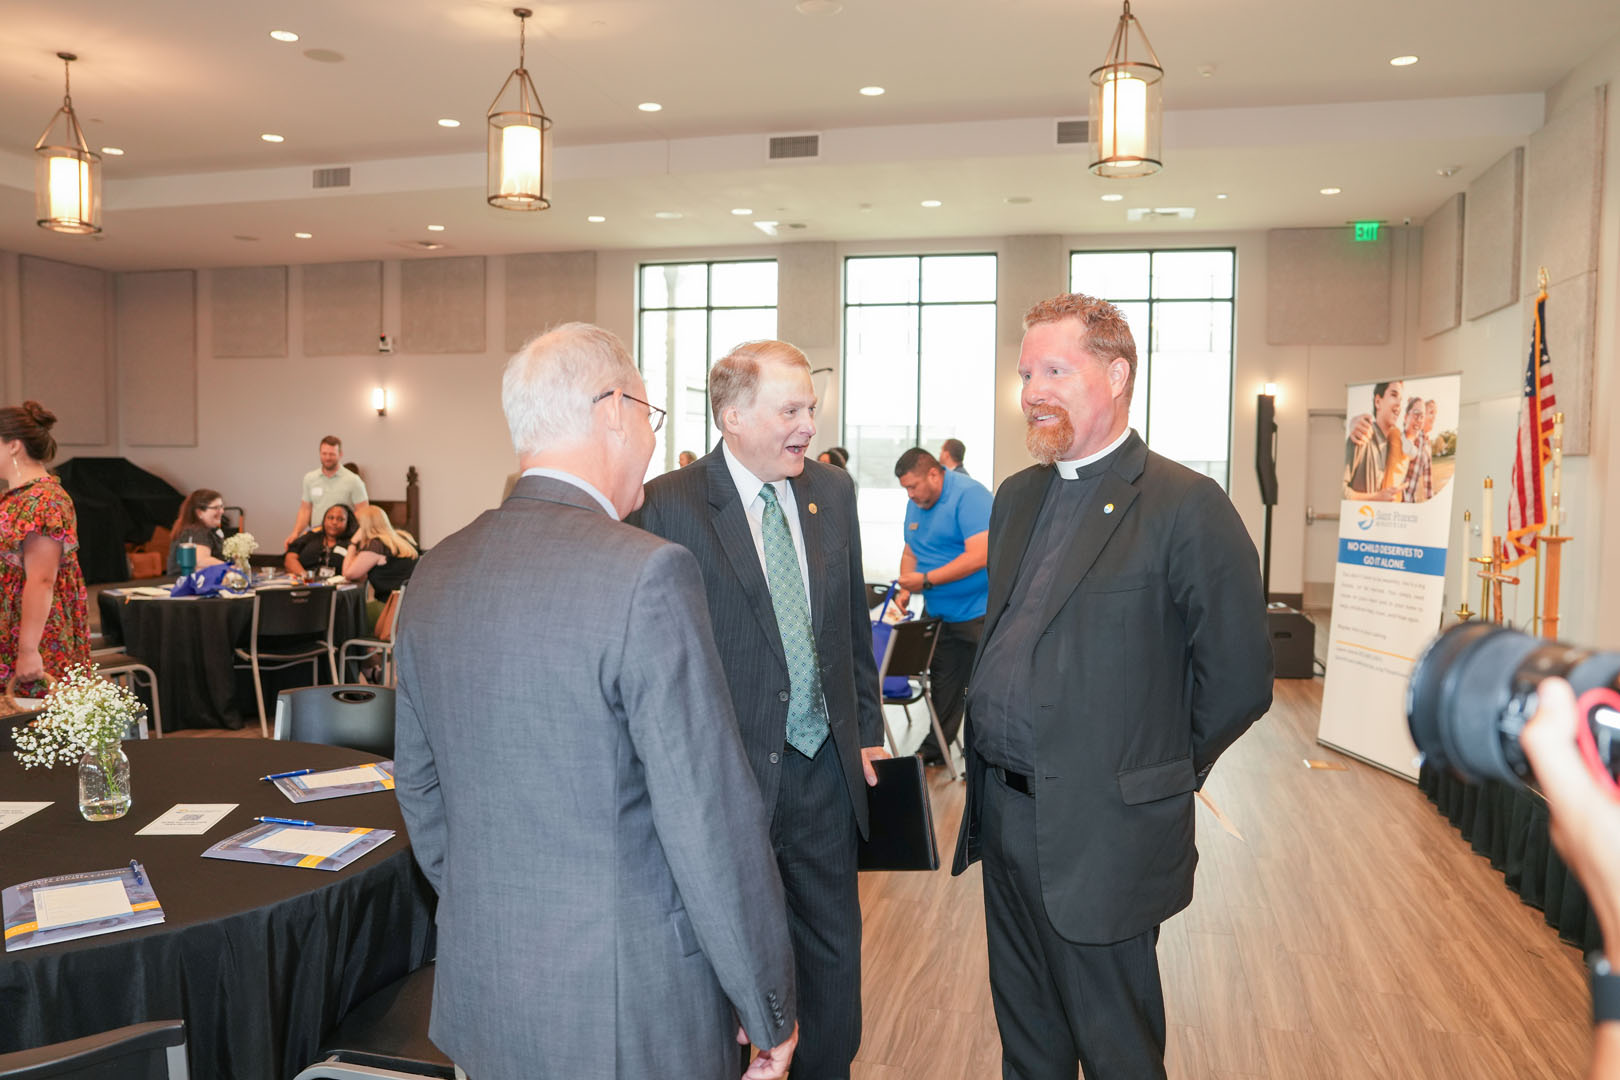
pixel 1048 442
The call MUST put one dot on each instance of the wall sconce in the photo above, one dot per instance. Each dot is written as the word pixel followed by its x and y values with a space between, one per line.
pixel 1270 390
pixel 380 400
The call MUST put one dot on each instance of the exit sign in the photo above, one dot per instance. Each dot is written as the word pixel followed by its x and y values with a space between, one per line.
pixel 1366 231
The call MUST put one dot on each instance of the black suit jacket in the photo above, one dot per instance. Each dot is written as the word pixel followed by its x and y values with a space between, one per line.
pixel 1155 657
pixel 699 508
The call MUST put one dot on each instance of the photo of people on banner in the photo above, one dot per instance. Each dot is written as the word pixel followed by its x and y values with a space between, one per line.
pixel 1404 447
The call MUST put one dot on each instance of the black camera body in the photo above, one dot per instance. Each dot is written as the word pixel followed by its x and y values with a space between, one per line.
pixel 1474 688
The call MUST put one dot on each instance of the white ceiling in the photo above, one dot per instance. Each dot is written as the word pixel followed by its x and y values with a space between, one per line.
pixel 1292 104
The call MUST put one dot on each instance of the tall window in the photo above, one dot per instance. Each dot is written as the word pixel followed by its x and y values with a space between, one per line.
pixel 1179 307
pixel 919 368
pixel 692 314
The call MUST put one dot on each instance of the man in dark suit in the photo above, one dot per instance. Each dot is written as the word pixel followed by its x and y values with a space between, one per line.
pixel 780 549
pixel 569 767
pixel 1125 647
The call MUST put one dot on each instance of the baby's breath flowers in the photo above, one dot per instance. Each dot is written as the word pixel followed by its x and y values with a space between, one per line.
pixel 83 713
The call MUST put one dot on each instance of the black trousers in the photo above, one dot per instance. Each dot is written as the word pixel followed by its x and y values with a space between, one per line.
pixel 948 675
pixel 1061 1006
pixel 814 835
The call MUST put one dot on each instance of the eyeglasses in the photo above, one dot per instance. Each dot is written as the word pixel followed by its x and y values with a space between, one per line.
pixel 215 506
pixel 655 415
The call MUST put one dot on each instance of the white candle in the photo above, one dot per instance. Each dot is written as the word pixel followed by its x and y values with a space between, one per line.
pixel 1468 550
pixel 1485 547
pixel 1555 512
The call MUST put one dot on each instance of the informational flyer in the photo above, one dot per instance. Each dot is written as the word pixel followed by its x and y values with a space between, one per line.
pixel 1400 453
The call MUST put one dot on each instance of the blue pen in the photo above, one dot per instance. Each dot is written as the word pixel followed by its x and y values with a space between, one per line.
pixel 285 821
pixel 135 868
pixel 285 775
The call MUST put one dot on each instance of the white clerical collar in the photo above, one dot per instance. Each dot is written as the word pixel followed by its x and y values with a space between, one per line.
pixel 584 485
pixel 1071 469
pixel 747 483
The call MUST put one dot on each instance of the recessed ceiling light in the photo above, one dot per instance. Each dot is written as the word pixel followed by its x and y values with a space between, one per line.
pixel 303 235
pixel 284 35
pixel 269 137
pixel 931 203
pixel 1019 200
pixel 1448 170
pixel 114 151
pixel 819 7
pixel 1402 61
pixel 324 56
pixel 435 228
pixel 1331 190
pixel 1112 196
pixel 1220 194
pixel 668 215
pixel 447 122
pixel 872 91
pixel 596 219
pixel 741 211
pixel 650 106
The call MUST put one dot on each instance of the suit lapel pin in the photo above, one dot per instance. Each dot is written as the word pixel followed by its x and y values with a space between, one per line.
pixel 1108 509
pixel 812 508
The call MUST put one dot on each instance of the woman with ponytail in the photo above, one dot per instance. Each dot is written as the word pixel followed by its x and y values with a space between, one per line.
pixel 44 619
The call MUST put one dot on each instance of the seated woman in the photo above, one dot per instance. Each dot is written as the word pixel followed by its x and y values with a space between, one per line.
pixel 325 548
pixel 198 524
pixel 380 553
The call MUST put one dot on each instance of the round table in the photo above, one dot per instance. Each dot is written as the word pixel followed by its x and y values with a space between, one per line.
pixel 188 643
pixel 260 961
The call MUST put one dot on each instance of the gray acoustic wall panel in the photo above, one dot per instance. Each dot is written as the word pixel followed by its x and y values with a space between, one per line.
pixel 1491 236
pixel 1440 287
pixel 1564 188
pixel 807 295
pixel 441 305
pixel 1031 269
pixel 545 289
pixel 342 308
pixel 250 312
pixel 64 347
pixel 1571 331
pixel 157 357
pixel 1324 288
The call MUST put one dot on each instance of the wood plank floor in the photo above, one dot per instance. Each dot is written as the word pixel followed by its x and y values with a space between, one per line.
pixel 1350 933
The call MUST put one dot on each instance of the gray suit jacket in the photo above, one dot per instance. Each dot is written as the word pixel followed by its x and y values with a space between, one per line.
pixel 699 508
pixel 569 769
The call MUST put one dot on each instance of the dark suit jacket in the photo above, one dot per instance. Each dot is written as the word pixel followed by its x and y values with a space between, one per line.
pixel 1155 658
pixel 699 508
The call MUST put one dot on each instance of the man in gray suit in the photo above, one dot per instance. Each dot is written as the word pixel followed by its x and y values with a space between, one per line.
pixel 568 765
pixel 780 549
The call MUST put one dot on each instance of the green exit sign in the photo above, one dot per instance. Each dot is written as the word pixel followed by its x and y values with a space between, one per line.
pixel 1366 231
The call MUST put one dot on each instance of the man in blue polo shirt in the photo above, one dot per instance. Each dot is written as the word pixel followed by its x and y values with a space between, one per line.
pixel 947 537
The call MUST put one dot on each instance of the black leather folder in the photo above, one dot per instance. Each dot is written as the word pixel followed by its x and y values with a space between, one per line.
pixel 902 821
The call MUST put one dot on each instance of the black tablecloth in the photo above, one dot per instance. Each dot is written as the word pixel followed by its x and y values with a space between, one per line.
pixel 1508 825
pixel 188 645
pixel 259 960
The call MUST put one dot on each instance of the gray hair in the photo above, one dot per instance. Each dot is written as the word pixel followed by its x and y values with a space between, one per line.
pixel 547 389
pixel 734 379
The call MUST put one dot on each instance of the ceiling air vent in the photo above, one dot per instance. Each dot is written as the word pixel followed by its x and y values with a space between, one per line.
pixel 1070 132
pixel 330 178
pixel 1160 213
pixel 785 147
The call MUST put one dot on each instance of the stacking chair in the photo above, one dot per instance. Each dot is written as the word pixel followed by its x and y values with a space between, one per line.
pixel 154 1051
pixel 910 652
pixel 359 717
pixel 365 648
pixel 132 675
pixel 385 1036
pixel 290 626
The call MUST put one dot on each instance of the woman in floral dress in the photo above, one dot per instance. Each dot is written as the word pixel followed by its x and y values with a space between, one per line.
pixel 44 621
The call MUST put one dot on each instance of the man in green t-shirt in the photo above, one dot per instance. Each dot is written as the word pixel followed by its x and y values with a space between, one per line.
pixel 327 486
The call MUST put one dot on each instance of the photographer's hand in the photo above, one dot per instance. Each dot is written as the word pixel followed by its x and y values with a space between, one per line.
pixel 1585 828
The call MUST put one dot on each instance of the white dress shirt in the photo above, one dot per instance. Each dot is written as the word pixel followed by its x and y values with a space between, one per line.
pixel 748 486
pixel 1069 469
pixel 583 485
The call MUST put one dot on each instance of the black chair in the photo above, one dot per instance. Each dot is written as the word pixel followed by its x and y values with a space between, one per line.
pixel 385 1036
pixel 875 593
pixel 154 1051
pixel 909 655
pixel 360 717
pixel 290 626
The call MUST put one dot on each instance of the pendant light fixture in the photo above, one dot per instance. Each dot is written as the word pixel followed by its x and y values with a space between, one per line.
pixel 67 175
pixel 519 139
pixel 1127 105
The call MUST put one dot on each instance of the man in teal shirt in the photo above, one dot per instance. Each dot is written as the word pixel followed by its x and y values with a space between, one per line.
pixel 947 533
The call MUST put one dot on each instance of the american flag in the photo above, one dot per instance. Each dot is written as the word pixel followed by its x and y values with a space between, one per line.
pixel 1527 504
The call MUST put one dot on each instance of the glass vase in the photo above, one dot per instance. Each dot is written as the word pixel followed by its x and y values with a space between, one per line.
pixel 104 783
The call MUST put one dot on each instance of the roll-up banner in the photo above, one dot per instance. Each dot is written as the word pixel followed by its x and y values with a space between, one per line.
pixel 1400 452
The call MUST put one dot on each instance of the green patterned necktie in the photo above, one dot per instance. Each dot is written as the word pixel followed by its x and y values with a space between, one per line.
pixel 807 715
